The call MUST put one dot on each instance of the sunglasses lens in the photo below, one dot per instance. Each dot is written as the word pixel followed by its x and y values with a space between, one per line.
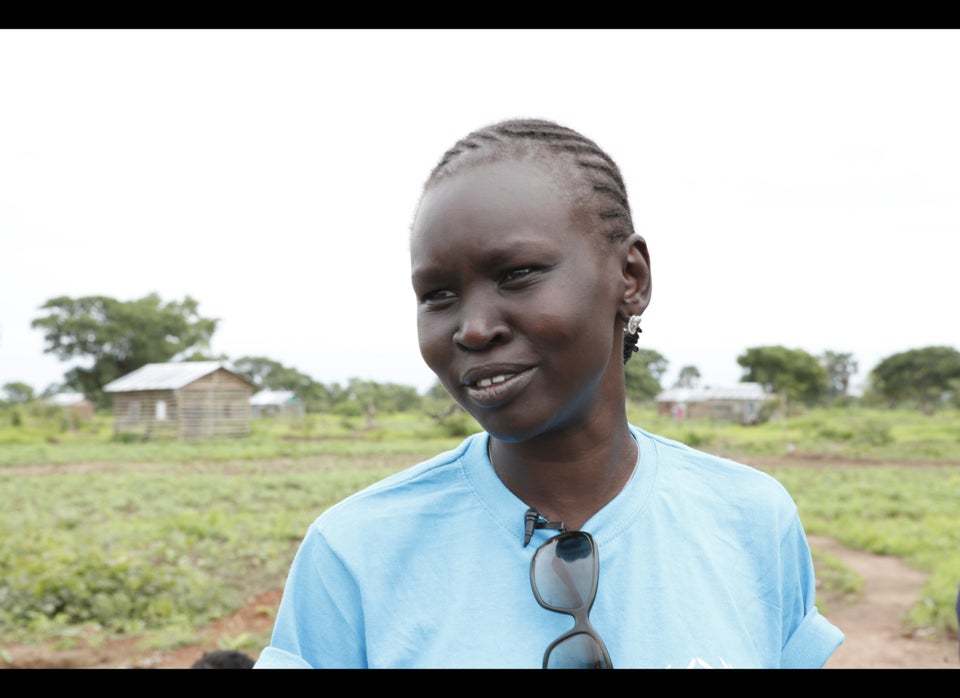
pixel 579 651
pixel 564 574
pixel 564 571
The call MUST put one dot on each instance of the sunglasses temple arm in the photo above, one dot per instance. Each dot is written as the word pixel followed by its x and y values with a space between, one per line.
pixel 532 520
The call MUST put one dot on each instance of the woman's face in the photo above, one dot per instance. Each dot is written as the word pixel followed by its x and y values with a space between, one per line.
pixel 516 300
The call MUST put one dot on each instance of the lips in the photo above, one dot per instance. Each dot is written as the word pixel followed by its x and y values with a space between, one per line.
pixel 494 389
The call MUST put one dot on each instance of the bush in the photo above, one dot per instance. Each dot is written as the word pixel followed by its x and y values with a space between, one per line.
pixel 458 424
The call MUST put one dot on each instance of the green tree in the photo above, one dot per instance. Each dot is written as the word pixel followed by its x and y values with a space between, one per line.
pixel 382 397
pixel 18 392
pixel 438 392
pixel 53 389
pixel 442 408
pixel 272 375
pixel 120 336
pixel 840 369
pixel 792 373
pixel 924 377
pixel 643 373
pixel 689 377
pixel 954 395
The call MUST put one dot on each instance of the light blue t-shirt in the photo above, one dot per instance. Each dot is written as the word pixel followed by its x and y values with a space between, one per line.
pixel 703 564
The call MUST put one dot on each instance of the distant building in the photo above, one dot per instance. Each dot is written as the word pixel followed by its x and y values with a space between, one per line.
pixel 276 403
pixel 740 402
pixel 185 400
pixel 76 403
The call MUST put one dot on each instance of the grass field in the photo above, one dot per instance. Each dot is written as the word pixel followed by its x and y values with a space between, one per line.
pixel 99 538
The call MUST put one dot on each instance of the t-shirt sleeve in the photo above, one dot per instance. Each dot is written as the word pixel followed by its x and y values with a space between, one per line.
pixel 809 638
pixel 812 643
pixel 276 658
pixel 319 620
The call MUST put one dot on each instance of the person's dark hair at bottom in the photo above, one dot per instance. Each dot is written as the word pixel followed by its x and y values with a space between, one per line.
pixel 224 659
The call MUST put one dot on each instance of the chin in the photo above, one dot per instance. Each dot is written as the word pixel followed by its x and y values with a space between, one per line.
pixel 503 428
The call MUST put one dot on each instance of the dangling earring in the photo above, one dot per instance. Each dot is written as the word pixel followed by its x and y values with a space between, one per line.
pixel 631 335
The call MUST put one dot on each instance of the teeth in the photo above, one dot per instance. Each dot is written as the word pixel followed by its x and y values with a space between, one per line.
pixel 487 382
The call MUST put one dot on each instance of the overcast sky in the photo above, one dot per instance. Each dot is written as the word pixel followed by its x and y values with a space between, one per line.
pixel 795 187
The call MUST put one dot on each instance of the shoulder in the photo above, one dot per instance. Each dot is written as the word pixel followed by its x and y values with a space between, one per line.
pixel 685 464
pixel 400 497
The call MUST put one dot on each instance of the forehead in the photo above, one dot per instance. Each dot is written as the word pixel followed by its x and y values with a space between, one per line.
pixel 495 196
pixel 493 214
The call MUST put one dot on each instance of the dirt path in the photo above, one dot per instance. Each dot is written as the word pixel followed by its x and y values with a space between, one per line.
pixel 876 637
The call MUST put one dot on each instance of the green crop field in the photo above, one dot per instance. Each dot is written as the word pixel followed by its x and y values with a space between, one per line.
pixel 100 538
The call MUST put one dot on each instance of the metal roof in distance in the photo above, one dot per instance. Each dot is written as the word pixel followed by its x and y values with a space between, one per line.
pixel 166 376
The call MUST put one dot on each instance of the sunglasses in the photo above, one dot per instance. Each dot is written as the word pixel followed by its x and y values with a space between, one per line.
pixel 563 574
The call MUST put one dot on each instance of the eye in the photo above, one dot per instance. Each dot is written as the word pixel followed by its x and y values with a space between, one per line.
pixel 521 277
pixel 438 297
pixel 516 274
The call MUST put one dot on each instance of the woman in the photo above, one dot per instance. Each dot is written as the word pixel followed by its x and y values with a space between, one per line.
pixel 561 535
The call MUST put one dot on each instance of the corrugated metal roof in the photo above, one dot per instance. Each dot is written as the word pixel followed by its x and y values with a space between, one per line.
pixel 675 395
pixel 66 399
pixel 168 376
pixel 738 391
pixel 273 397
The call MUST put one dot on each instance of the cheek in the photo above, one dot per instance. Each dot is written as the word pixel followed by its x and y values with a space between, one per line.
pixel 565 313
pixel 579 323
pixel 430 335
pixel 554 329
pixel 569 342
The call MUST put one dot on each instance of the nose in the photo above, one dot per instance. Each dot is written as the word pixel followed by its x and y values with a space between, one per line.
pixel 481 324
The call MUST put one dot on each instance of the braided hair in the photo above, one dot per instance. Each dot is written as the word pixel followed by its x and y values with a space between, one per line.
pixel 541 138
pixel 605 194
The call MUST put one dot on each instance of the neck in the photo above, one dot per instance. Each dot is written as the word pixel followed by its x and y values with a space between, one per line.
pixel 566 482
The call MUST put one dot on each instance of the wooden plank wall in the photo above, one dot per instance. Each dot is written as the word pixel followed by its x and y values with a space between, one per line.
pixel 215 406
pixel 136 413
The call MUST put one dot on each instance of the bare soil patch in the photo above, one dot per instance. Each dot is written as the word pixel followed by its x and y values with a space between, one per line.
pixel 129 654
pixel 877 637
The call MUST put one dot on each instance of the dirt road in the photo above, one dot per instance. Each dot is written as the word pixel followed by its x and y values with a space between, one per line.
pixel 876 637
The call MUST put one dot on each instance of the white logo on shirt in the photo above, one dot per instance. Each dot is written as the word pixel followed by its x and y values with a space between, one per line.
pixel 697 663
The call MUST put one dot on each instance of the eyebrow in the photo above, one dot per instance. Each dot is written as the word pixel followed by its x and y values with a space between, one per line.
pixel 493 257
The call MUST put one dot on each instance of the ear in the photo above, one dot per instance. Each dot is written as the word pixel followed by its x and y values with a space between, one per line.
pixel 636 277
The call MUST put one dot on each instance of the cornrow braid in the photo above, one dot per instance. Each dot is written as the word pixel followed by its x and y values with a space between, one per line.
pixel 599 172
